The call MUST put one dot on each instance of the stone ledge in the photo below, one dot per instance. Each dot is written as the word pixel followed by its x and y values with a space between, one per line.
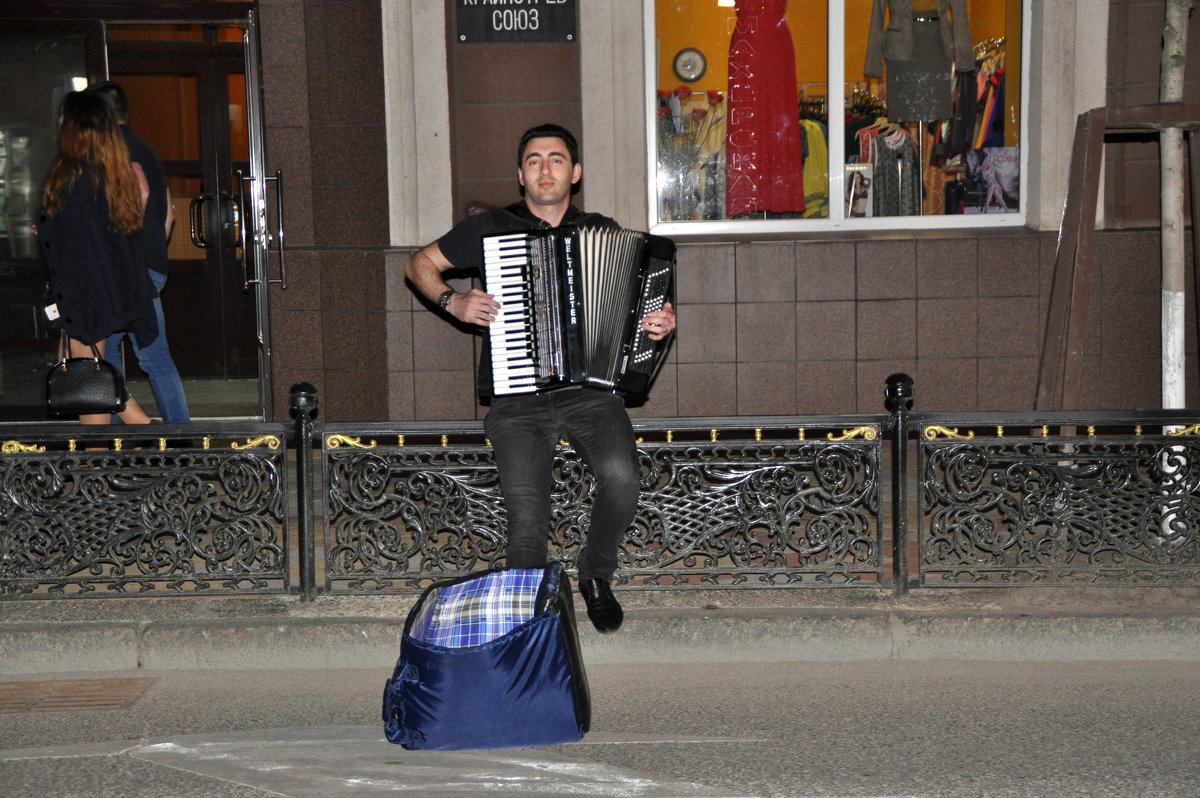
pixel 249 642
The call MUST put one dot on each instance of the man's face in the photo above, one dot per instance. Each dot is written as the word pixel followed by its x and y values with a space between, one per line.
pixel 547 172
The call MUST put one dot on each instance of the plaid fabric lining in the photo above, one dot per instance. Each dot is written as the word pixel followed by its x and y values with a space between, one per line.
pixel 478 610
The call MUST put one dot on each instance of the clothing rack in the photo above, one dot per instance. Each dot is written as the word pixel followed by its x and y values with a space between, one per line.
pixel 814 108
pixel 989 47
pixel 866 103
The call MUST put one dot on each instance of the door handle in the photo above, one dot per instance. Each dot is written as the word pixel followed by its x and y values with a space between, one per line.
pixel 256 229
pixel 196 220
pixel 228 218
pixel 278 180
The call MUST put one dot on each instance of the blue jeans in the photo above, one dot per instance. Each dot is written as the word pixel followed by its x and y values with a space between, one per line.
pixel 524 431
pixel 156 361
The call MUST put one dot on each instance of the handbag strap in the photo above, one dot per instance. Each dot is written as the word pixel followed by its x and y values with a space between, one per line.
pixel 64 349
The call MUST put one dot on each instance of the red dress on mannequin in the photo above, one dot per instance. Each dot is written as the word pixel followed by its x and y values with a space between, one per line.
pixel 764 155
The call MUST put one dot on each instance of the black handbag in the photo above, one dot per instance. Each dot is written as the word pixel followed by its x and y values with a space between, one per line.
pixel 83 385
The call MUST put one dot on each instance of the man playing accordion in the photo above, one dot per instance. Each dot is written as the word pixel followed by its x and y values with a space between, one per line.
pixel 525 428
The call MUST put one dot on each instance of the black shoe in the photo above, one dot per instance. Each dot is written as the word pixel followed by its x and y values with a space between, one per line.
pixel 602 606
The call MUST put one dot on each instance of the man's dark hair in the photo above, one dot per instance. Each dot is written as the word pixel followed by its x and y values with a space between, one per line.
pixel 115 95
pixel 548 130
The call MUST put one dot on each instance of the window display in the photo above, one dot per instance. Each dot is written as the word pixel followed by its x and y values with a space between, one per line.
pixel 923 120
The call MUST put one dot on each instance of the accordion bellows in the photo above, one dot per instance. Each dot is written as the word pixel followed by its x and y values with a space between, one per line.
pixel 489 660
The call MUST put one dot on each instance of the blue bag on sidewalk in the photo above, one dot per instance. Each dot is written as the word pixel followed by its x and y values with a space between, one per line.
pixel 490 660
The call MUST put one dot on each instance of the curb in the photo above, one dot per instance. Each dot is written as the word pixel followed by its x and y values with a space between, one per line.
pixel 649 635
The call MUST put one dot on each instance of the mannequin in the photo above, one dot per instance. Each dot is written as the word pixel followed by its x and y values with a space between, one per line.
pixel 925 40
pixel 923 43
pixel 764 168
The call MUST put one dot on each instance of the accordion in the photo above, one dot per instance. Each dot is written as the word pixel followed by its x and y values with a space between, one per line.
pixel 571 304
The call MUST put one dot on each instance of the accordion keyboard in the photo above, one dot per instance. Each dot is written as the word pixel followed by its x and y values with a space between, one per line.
pixel 504 272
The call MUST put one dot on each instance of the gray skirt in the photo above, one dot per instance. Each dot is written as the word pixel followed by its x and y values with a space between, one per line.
pixel 921 89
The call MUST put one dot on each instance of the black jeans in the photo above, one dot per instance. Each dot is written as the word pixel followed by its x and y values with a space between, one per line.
pixel 524 431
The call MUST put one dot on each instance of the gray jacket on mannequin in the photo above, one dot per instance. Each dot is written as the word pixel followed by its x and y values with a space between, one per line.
pixel 897 40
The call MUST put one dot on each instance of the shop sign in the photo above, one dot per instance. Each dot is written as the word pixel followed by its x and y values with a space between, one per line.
pixel 516 21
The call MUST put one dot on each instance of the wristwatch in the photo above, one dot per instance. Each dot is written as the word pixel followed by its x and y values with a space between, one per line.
pixel 444 298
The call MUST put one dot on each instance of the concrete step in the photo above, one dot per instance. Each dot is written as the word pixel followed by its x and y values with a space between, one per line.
pixel 247 633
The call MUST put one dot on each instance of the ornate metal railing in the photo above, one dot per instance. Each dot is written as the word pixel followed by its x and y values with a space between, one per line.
pixel 1059 499
pixel 108 512
pixel 724 502
pixel 1000 500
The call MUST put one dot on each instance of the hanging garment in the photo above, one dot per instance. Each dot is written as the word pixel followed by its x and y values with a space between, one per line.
pixel 763 151
pixel 935 177
pixel 816 170
pixel 897 190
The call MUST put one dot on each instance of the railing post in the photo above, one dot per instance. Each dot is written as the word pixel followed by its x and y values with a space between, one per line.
pixel 302 401
pixel 899 393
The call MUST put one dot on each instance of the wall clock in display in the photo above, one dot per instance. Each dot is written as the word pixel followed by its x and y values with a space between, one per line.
pixel 690 64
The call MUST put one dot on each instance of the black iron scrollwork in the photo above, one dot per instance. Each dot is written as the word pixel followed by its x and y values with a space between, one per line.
pixel 144 523
pixel 1086 511
pixel 762 513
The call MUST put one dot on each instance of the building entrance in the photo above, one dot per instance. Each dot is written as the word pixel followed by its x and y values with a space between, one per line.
pixel 184 67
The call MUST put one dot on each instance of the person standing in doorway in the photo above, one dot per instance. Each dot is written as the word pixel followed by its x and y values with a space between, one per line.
pixel 154 359
pixel 525 428
pixel 91 213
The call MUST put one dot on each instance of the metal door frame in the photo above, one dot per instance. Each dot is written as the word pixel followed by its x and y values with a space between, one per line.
pixel 258 239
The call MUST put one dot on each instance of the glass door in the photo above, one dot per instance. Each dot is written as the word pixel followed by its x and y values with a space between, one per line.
pixel 189 98
pixel 39 63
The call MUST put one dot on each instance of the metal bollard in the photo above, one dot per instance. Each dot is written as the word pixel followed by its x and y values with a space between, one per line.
pixel 302 402
pixel 899 394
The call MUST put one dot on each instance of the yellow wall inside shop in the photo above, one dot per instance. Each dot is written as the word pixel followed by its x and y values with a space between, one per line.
pixel 704 25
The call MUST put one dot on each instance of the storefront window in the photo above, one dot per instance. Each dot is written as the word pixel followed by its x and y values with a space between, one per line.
pixel 922 127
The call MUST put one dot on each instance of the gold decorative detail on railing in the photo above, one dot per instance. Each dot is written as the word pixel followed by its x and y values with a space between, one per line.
pixel 1138 430
pixel 1192 430
pixel 1091 431
pixel 207 442
pixel 758 433
pixel 932 432
pixel 800 433
pixel 13 447
pixel 866 433
pixel 999 432
pixel 116 444
pixel 71 445
pixel 399 440
pixel 162 444
pixel 270 441
pixel 1045 431
pixel 712 436
pixel 334 441
pixel 670 436
pixel 445 441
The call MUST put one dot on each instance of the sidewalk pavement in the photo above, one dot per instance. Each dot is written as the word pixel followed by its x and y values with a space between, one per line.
pixel 1067 624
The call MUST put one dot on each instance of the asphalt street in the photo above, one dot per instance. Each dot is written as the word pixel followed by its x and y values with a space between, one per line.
pixel 858 729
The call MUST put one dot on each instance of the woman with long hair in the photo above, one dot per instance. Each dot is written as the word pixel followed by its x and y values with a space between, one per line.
pixel 91 206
